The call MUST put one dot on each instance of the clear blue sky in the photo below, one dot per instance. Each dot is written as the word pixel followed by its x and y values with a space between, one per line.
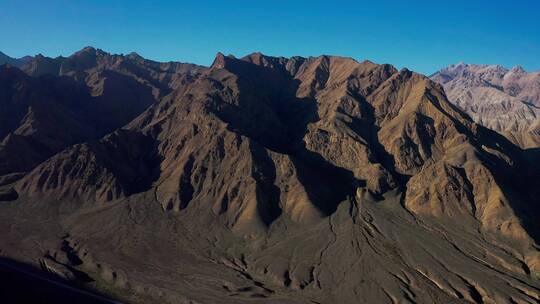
pixel 420 35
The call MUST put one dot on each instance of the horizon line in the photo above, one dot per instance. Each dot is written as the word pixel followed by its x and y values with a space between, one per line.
pixel 259 52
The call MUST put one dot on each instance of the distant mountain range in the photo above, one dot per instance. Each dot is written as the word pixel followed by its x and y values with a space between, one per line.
pixel 271 180
pixel 505 100
pixel 17 62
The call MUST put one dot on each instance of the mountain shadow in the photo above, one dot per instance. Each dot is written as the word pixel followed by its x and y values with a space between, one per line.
pixel 24 283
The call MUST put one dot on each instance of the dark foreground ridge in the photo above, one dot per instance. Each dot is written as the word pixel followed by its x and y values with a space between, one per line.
pixel 22 283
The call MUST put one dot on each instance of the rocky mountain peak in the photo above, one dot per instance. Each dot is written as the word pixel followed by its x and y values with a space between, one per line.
pixel 220 61
pixel 518 70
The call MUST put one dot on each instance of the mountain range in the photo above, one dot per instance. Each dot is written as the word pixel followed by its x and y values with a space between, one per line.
pixel 505 100
pixel 270 179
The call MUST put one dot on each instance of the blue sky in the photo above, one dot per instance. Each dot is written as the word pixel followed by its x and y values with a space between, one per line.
pixel 421 35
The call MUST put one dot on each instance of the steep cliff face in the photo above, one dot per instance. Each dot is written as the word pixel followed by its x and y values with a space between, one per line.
pixel 507 101
pixel 294 180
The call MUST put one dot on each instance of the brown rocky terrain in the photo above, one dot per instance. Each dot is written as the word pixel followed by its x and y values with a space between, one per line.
pixel 287 180
pixel 58 102
pixel 505 100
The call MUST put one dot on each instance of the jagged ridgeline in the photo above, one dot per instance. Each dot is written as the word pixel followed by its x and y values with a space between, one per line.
pixel 505 100
pixel 261 179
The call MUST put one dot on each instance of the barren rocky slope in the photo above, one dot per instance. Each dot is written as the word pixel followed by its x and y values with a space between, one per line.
pixel 288 180
pixel 507 101
pixel 92 93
